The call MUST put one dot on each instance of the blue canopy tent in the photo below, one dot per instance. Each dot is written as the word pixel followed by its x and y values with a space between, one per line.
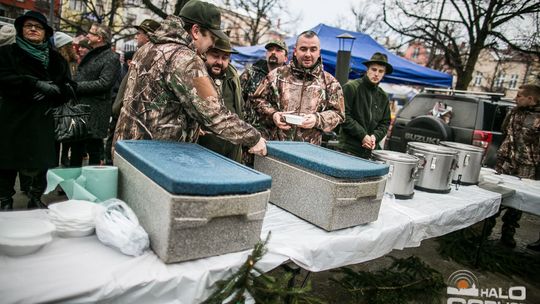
pixel 405 72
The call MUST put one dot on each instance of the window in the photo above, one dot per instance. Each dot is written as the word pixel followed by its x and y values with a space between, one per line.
pixel 513 81
pixel 499 81
pixel 76 5
pixel 478 79
pixel 415 53
pixel 463 116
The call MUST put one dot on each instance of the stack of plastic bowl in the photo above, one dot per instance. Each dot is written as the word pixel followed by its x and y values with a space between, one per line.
pixel 24 236
pixel 73 218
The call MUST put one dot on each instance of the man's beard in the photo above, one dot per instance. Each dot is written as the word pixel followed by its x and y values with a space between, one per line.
pixel 273 62
pixel 213 74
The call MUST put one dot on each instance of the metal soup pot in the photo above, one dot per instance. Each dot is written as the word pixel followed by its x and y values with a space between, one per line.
pixel 402 173
pixel 469 162
pixel 437 164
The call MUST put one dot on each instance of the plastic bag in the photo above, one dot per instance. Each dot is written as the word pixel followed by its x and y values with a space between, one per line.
pixel 118 226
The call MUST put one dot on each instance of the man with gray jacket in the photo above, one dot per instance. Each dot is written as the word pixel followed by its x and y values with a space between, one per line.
pixel 96 75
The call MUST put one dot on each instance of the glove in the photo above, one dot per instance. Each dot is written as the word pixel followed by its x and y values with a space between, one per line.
pixel 47 87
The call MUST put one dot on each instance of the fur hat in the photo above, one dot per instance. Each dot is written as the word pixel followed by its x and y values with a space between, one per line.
pixel 61 39
pixel 7 34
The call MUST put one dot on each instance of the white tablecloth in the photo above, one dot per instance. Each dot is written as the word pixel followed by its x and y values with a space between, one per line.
pixel 527 196
pixel 82 270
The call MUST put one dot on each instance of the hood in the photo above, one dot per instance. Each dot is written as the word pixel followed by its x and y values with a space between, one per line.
pixel 172 31
pixel 300 72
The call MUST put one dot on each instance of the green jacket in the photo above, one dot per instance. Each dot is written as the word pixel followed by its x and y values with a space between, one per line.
pixel 367 112
pixel 231 92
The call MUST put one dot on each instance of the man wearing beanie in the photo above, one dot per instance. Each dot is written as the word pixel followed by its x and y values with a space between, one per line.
pixel 33 79
pixel 7 34
pixel 185 98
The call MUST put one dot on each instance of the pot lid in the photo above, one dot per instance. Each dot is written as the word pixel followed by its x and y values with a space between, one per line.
pixel 460 146
pixel 395 156
pixel 432 148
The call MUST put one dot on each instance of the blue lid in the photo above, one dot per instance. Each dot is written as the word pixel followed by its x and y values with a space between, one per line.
pixel 185 168
pixel 324 160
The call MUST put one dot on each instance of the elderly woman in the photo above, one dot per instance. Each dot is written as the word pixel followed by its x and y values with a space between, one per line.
pixel 33 79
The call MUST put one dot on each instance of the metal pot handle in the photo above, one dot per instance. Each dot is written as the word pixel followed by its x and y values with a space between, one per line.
pixel 422 160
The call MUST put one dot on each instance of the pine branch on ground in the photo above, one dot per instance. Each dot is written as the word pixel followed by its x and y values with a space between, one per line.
pixel 264 288
pixel 405 280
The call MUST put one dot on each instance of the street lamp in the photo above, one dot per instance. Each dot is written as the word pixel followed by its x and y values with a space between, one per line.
pixel 346 42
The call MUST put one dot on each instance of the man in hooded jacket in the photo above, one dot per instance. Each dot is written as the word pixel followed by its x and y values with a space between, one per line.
pixel 302 88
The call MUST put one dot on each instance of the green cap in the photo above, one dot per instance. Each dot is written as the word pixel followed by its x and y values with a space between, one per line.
pixel 148 26
pixel 204 14
pixel 224 45
pixel 279 43
pixel 381 59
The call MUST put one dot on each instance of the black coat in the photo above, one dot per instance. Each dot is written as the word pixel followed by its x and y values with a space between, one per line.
pixel 26 125
pixel 96 75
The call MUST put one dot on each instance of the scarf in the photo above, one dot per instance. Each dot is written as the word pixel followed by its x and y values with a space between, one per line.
pixel 37 51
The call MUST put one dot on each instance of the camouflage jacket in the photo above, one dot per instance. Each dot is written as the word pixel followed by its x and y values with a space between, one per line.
pixel 519 153
pixel 304 91
pixel 250 80
pixel 161 101
pixel 229 88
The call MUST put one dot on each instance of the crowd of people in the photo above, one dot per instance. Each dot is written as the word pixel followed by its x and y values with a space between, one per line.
pixel 180 85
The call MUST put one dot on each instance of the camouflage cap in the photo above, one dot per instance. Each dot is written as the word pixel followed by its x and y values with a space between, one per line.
pixel 279 43
pixel 204 14
pixel 148 26
pixel 224 45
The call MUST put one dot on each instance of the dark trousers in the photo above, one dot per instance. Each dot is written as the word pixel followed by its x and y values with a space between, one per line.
pixel 94 148
pixel 36 180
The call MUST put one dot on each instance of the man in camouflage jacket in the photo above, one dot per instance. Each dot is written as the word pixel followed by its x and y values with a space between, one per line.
pixel 303 88
pixel 251 78
pixel 169 94
pixel 519 153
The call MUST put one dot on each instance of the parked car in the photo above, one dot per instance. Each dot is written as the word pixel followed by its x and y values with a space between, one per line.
pixel 475 119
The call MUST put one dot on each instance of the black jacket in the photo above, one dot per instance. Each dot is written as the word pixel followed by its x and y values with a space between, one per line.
pixel 26 125
pixel 367 112
pixel 96 76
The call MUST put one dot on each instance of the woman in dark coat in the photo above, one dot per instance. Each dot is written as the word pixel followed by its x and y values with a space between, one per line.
pixel 33 79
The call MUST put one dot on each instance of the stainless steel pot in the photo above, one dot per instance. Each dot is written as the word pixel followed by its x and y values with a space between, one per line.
pixel 402 173
pixel 469 162
pixel 437 164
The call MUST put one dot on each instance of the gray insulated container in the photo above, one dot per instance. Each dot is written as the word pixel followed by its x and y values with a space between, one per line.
pixel 193 203
pixel 326 188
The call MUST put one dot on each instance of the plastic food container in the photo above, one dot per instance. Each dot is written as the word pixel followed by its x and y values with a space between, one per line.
pixel 294 119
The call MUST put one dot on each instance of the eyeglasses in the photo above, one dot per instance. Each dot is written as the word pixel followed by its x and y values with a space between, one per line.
pixel 94 34
pixel 35 26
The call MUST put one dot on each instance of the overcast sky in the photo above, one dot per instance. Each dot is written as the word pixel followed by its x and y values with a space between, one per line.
pixel 314 12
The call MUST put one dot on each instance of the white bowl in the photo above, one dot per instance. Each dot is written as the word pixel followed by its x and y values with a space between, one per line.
pixel 74 233
pixel 24 247
pixel 26 229
pixel 294 119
